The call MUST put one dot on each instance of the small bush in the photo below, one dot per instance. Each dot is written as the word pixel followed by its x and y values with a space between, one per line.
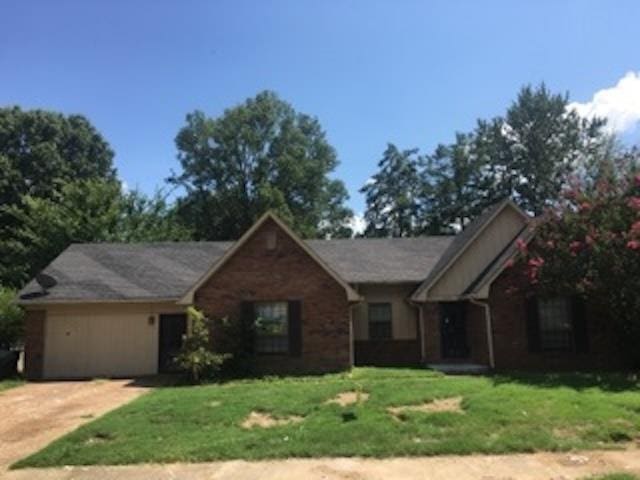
pixel 196 356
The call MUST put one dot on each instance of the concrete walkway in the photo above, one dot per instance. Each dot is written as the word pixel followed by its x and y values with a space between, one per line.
pixel 33 415
pixel 539 466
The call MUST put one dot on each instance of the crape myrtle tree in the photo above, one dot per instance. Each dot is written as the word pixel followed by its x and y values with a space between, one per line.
pixel 257 156
pixel 589 245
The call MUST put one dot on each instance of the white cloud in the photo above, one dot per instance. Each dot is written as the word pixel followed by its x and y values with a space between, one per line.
pixel 357 223
pixel 124 186
pixel 620 105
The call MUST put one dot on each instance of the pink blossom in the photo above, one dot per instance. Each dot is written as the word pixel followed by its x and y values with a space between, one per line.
pixel 522 245
pixel 635 228
pixel 633 245
pixel 585 206
pixel 636 180
pixel 536 262
pixel 575 247
pixel 634 203
pixel 589 240
pixel 509 263
pixel 550 244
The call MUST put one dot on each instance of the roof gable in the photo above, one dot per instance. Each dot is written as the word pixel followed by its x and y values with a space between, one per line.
pixel 187 298
pixel 463 242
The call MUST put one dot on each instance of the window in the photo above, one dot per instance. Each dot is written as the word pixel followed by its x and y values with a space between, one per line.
pixel 272 327
pixel 380 321
pixel 554 315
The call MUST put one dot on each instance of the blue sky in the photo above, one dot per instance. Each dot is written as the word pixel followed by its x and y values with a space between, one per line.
pixel 409 72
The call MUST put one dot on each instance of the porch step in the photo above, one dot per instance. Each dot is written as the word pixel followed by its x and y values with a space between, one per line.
pixel 460 368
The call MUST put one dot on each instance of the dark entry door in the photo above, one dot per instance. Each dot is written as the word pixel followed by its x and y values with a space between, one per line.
pixel 172 328
pixel 453 328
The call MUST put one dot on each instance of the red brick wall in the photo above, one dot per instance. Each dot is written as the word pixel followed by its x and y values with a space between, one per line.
pixel 477 334
pixel 387 353
pixel 432 342
pixel 34 343
pixel 285 273
pixel 508 308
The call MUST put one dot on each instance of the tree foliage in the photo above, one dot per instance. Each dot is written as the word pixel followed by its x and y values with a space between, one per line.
pixel 145 218
pixel 41 150
pixel 258 156
pixel 40 153
pixel 528 155
pixel 196 356
pixel 589 245
pixel 80 211
pixel 392 195
pixel 11 319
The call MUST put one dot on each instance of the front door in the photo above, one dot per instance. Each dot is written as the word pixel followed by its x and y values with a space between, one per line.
pixel 172 329
pixel 453 328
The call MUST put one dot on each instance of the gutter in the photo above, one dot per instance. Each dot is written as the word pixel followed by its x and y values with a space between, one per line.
pixel 487 317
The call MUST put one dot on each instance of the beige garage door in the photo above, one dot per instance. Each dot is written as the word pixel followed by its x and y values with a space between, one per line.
pixel 95 345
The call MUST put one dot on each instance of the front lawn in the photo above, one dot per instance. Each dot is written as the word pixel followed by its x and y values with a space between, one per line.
pixel 394 415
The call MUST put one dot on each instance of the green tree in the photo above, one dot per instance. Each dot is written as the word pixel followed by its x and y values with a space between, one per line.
pixel 146 219
pixel 40 153
pixel 11 319
pixel 455 188
pixel 196 356
pixel 531 152
pixel 83 211
pixel 392 195
pixel 41 150
pixel 257 156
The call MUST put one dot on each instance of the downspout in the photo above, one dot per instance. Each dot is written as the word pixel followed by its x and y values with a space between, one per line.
pixel 487 317
pixel 351 352
pixel 352 355
pixel 423 355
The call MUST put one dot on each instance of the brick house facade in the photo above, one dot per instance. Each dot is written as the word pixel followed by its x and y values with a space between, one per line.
pixel 312 305
pixel 272 267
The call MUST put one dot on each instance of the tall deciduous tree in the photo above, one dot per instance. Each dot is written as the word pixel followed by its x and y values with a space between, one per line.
pixel 145 218
pixel 83 211
pixel 455 187
pixel 40 152
pixel 537 146
pixel 392 195
pixel 257 156
pixel 528 154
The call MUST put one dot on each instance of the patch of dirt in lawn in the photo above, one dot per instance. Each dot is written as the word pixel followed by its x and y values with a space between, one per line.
pixel 265 420
pixel 439 405
pixel 99 438
pixel 345 399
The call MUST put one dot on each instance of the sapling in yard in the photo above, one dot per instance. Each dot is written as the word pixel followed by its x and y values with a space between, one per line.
pixel 196 356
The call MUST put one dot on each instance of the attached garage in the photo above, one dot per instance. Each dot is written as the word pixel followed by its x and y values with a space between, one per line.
pixel 102 341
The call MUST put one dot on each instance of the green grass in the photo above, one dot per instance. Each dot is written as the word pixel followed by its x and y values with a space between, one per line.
pixel 9 383
pixel 502 414
pixel 614 476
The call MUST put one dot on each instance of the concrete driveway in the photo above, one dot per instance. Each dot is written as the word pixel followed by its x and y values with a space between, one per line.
pixel 33 415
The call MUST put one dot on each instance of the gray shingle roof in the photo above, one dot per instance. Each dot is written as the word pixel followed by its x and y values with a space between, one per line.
pixel 152 271
pixel 382 260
